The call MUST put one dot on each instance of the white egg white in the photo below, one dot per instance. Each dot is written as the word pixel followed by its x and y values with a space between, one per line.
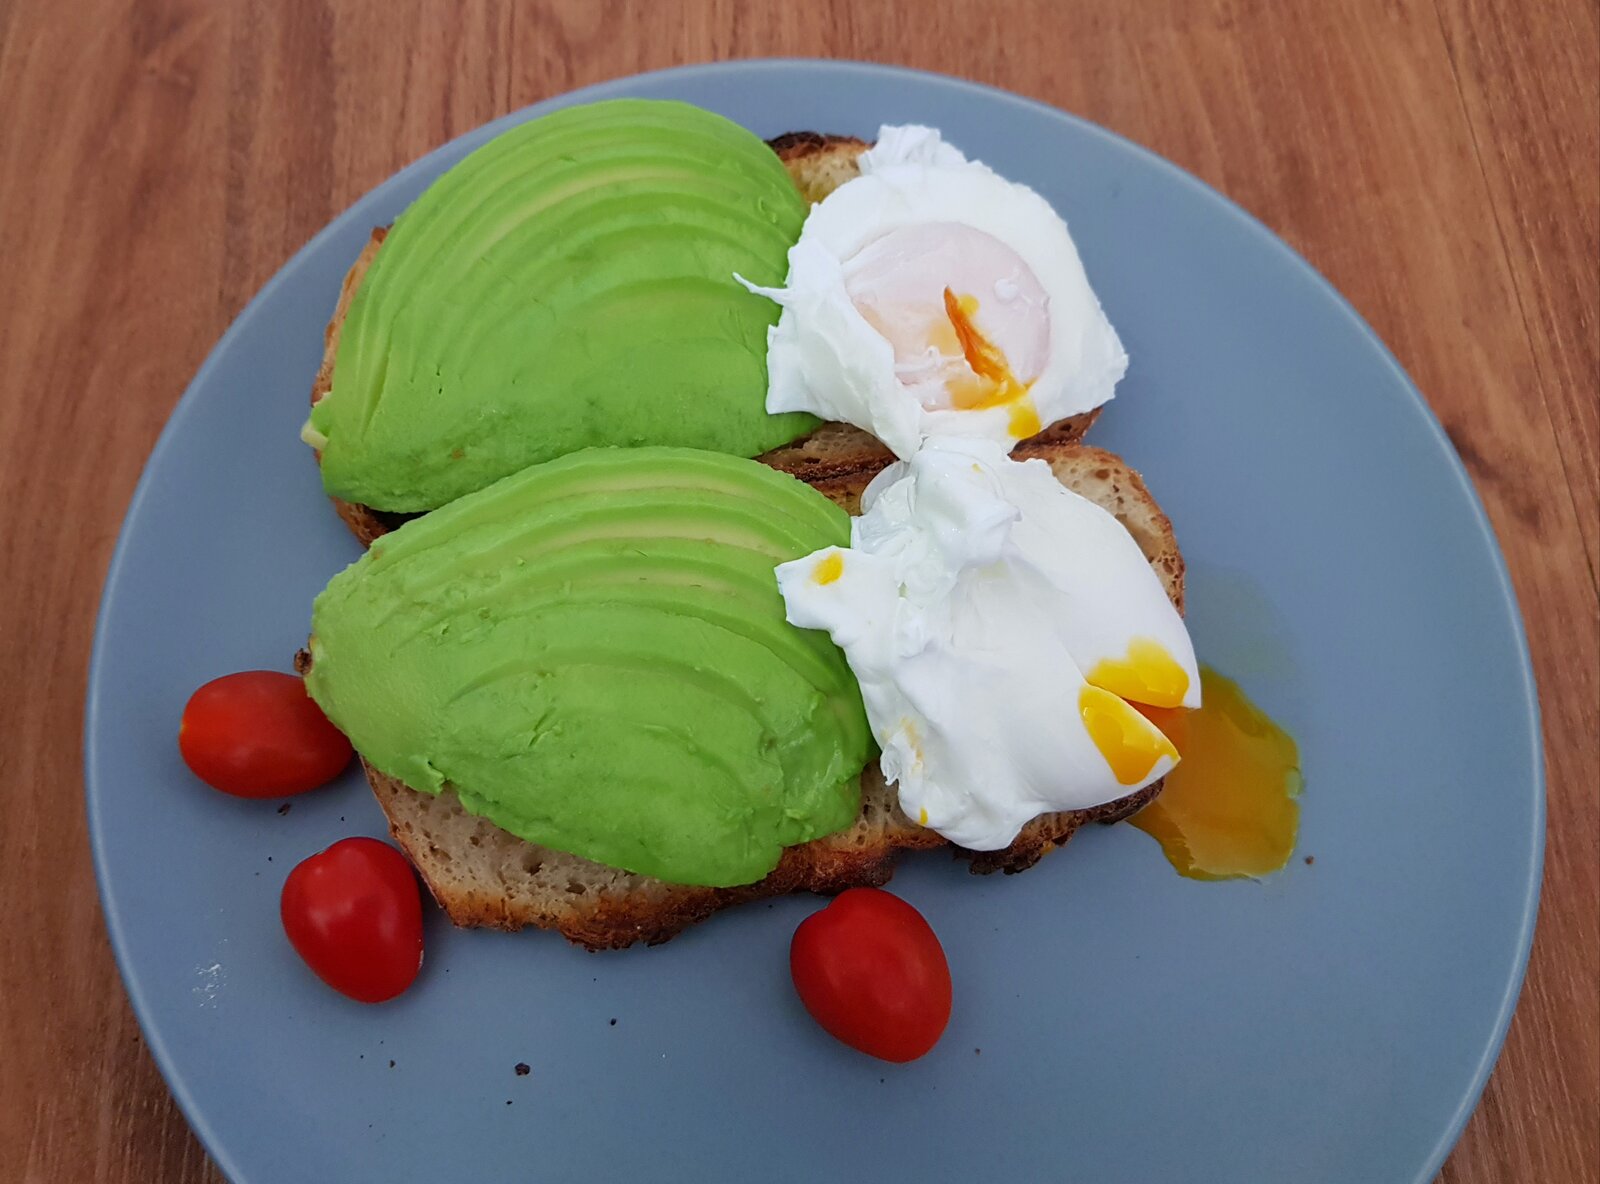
pixel 826 356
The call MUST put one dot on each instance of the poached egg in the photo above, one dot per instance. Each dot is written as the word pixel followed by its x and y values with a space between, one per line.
pixel 931 297
pixel 1001 628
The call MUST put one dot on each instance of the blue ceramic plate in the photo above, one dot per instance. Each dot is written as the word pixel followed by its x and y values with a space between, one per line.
pixel 1113 1021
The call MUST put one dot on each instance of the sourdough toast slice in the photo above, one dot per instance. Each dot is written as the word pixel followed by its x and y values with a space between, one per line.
pixel 819 164
pixel 484 876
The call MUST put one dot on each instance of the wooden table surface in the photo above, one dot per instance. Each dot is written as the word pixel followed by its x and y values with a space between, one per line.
pixel 160 159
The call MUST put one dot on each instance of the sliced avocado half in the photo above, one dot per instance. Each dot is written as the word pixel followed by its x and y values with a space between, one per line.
pixel 569 284
pixel 592 653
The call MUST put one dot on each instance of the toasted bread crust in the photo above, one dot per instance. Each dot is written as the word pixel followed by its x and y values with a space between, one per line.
pixel 819 164
pixel 796 147
pixel 601 920
pixel 614 920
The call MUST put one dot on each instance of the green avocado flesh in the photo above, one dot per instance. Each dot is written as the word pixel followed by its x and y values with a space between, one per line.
pixel 569 284
pixel 592 653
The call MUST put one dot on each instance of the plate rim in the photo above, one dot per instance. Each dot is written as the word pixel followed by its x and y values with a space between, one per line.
pixel 95 690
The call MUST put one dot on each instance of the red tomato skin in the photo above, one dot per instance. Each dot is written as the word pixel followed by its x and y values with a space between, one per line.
pixel 354 915
pixel 257 734
pixel 871 971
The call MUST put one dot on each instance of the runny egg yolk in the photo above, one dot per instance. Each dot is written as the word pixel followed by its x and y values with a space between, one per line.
pixel 1023 420
pixel 1229 809
pixel 991 384
pixel 1148 674
pixel 1128 741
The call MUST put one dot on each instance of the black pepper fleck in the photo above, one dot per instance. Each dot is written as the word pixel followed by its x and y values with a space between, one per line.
pixel 284 809
pixel 613 1021
pixel 1310 859
pixel 391 1064
pixel 522 1069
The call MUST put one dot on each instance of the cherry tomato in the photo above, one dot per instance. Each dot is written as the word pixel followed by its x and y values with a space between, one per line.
pixel 870 971
pixel 257 734
pixel 354 914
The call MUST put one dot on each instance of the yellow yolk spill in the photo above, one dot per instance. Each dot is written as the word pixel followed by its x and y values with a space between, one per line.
pixel 829 568
pixel 1024 420
pixel 1228 810
pixel 992 384
pixel 1125 738
pixel 1147 675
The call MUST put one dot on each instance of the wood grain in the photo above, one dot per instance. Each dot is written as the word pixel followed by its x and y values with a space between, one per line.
pixel 160 159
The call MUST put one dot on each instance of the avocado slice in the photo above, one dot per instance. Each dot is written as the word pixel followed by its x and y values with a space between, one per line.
pixel 567 285
pixel 691 577
pixel 592 653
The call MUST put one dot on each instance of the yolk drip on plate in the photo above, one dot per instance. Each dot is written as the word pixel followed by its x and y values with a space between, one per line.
pixel 992 383
pixel 1229 809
